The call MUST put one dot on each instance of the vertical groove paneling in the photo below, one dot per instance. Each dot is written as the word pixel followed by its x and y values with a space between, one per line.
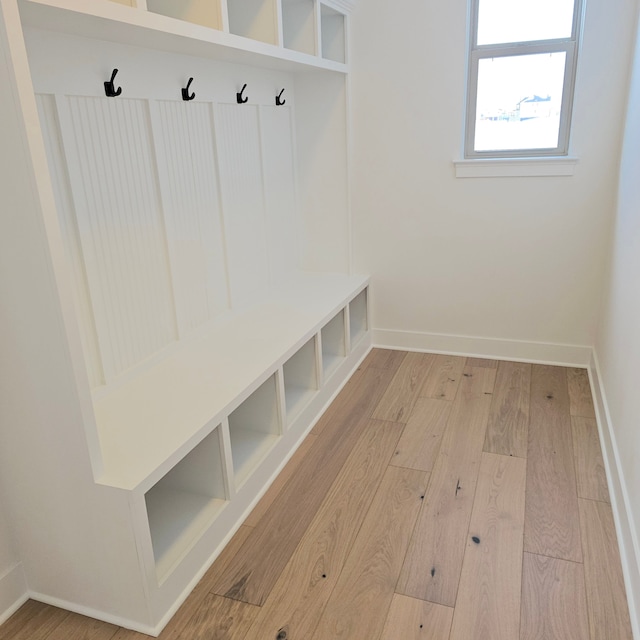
pixel 71 236
pixel 280 189
pixel 121 227
pixel 189 185
pixel 239 157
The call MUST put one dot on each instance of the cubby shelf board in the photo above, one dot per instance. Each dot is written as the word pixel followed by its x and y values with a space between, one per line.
pixel 248 449
pixel 176 520
pixel 147 423
pixel 106 20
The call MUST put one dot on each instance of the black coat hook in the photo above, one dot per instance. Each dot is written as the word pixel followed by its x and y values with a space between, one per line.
pixel 185 92
pixel 280 102
pixel 109 89
pixel 239 97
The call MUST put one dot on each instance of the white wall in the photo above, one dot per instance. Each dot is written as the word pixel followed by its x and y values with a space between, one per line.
pixel 618 340
pixel 508 258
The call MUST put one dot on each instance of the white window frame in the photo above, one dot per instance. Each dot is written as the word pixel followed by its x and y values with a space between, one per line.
pixel 479 52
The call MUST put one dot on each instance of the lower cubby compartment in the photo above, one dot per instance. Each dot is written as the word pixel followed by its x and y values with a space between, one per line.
pixel 300 379
pixel 254 428
pixel 358 317
pixel 185 501
pixel 334 349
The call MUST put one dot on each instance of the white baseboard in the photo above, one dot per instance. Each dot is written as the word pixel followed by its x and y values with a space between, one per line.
pixel 94 613
pixel 619 494
pixel 13 591
pixel 535 352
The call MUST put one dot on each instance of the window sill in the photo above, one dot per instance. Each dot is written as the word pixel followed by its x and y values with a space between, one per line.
pixel 515 167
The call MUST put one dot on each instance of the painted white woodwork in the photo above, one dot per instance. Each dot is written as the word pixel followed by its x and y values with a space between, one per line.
pixel 333 34
pixel 238 138
pixel 358 317
pixel 278 162
pixel 334 347
pixel 155 315
pixel 71 236
pixel 114 185
pixel 300 379
pixel 255 19
pixel 204 12
pixel 615 371
pixel 299 25
pixel 188 181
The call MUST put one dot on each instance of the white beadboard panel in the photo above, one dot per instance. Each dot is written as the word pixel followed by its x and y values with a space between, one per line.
pixel 183 134
pixel 69 227
pixel 115 188
pixel 280 189
pixel 238 140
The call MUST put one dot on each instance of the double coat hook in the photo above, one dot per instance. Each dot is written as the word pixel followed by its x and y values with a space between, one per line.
pixel 185 92
pixel 109 88
pixel 279 101
pixel 239 97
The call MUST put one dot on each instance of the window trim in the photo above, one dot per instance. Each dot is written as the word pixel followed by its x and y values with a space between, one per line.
pixel 477 52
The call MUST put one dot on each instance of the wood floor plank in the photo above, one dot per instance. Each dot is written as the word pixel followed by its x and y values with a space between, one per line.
pixel 444 377
pixel 487 363
pixel 509 415
pixel 389 359
pixel 219 618
pixel 591 477
pixel 606 600
pixel 252 573
pixel 359 604
pixel 185 613
pixel 283 477
pixel 581 401
pixel 420 441
pixel 431 570
pixel 488 601
pixel 402 393
pixel 552 524
pixel 412 619
pixel 553 599
pixel 33 621
pixel 77 627
pixel 298 599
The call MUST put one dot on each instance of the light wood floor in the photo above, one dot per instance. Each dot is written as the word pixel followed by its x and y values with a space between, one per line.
pixel 439 498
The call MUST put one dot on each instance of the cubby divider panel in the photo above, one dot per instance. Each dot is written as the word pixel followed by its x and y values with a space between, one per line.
pixel 255 19
pixel 300 379
pixel 299 25
pixel 333 344
pixel 333 34
pixel 254 428
pixel 358 320
pixel 184 502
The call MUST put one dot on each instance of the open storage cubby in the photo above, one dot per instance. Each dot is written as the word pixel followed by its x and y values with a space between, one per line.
pixel 358 320
pixel 185 501
pixel 255 19
pixel 299 25
pixel 333 34
pixel 300 379
pixel 334 348
pixel 254 428
pixel 204 12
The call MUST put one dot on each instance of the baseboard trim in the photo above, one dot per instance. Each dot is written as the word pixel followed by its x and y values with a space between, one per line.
pixel 496 349
pixel 13 591
pixel 618 491
pixel 94 613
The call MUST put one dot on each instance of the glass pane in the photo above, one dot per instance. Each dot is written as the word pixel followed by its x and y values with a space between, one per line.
pixel 519 102
pixel 501 21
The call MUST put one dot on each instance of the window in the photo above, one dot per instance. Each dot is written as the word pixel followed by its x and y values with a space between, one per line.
pixel 521 77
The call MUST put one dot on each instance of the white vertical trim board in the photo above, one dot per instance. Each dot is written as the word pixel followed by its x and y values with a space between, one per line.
pixel 13 591
pixel 494 348
pixel 619 494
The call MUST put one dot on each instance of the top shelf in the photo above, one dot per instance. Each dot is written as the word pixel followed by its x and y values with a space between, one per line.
pixel 114 22
pixel 146 424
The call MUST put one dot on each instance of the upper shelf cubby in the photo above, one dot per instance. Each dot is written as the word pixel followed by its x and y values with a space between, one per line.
pixel 332 25
pixel 254 19
pixel 204 12
pixel 299 25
